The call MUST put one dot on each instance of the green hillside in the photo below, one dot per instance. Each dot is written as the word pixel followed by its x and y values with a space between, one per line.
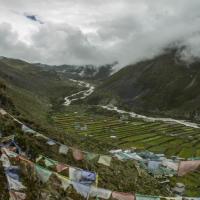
pixel 35 96
pixel 33 91
pixel 161 86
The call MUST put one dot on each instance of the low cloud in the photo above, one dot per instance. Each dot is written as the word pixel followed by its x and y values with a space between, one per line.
pixel 98 32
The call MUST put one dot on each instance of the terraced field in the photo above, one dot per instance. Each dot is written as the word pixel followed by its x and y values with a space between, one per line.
pixel 171 139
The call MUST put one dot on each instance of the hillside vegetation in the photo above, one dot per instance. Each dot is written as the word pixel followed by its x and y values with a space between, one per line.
pixel 33 91
pixel 161 86
pixel 35 97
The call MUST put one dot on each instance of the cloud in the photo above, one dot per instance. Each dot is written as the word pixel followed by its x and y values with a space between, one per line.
pixel 97 31
pixel 11 46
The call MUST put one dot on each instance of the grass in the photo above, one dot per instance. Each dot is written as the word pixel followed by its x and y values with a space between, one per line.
pixel 119 176
pixel 171 139
pixel 35 95
pixel 158 137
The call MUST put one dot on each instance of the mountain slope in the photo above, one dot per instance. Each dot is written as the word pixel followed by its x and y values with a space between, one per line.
pixel 89 72
pixel 32 90
pixel 163 85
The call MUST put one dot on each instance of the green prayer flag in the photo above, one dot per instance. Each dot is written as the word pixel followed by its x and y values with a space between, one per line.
pixel 91 156
pixel 49 162
pixel 43 174
pixel 146 197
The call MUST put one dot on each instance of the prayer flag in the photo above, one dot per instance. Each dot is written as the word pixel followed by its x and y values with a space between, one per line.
pixel 61 167
pixel 101 193
pixel 43 174
pixel 105 160
pixel 64 181
pixel 14 195
pixel 123 196
pixel 188 166
pixel 77 154
pixel 63 149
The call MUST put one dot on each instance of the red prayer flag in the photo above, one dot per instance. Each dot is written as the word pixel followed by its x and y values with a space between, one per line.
pixel 14 195
pixel 61 167
pixel 77 154
pixel 123 196
pixel 188 166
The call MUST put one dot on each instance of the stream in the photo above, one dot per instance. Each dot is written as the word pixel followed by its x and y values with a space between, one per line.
pixel 90 89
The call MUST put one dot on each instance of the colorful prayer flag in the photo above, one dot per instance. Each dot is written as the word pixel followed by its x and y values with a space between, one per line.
pixel 61 167
pixel 188 166
pixel 123 196
pixel 43 174
pixel 99 192
pixel 64 181
pixel 14 195
pixel 105 160
pixel 63 149
pixel 77 154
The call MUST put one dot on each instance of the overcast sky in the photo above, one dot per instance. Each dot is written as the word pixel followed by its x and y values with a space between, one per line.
pixel 97 31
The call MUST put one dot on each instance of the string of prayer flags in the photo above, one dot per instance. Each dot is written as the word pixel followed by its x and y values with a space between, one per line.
pixel 14 195
pixel 42 136
pixel 87 190
pixel 50 163
pixel 77 154
pixel 156 165
pixel 26 129
pixel 12 176
pixel 63 149
pixel 105 160
pixel 43 174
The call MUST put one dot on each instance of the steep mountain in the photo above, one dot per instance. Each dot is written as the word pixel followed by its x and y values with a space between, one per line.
pixel 160 86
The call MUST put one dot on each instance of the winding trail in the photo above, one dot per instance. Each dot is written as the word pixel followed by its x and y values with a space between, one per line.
pixel 90 89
